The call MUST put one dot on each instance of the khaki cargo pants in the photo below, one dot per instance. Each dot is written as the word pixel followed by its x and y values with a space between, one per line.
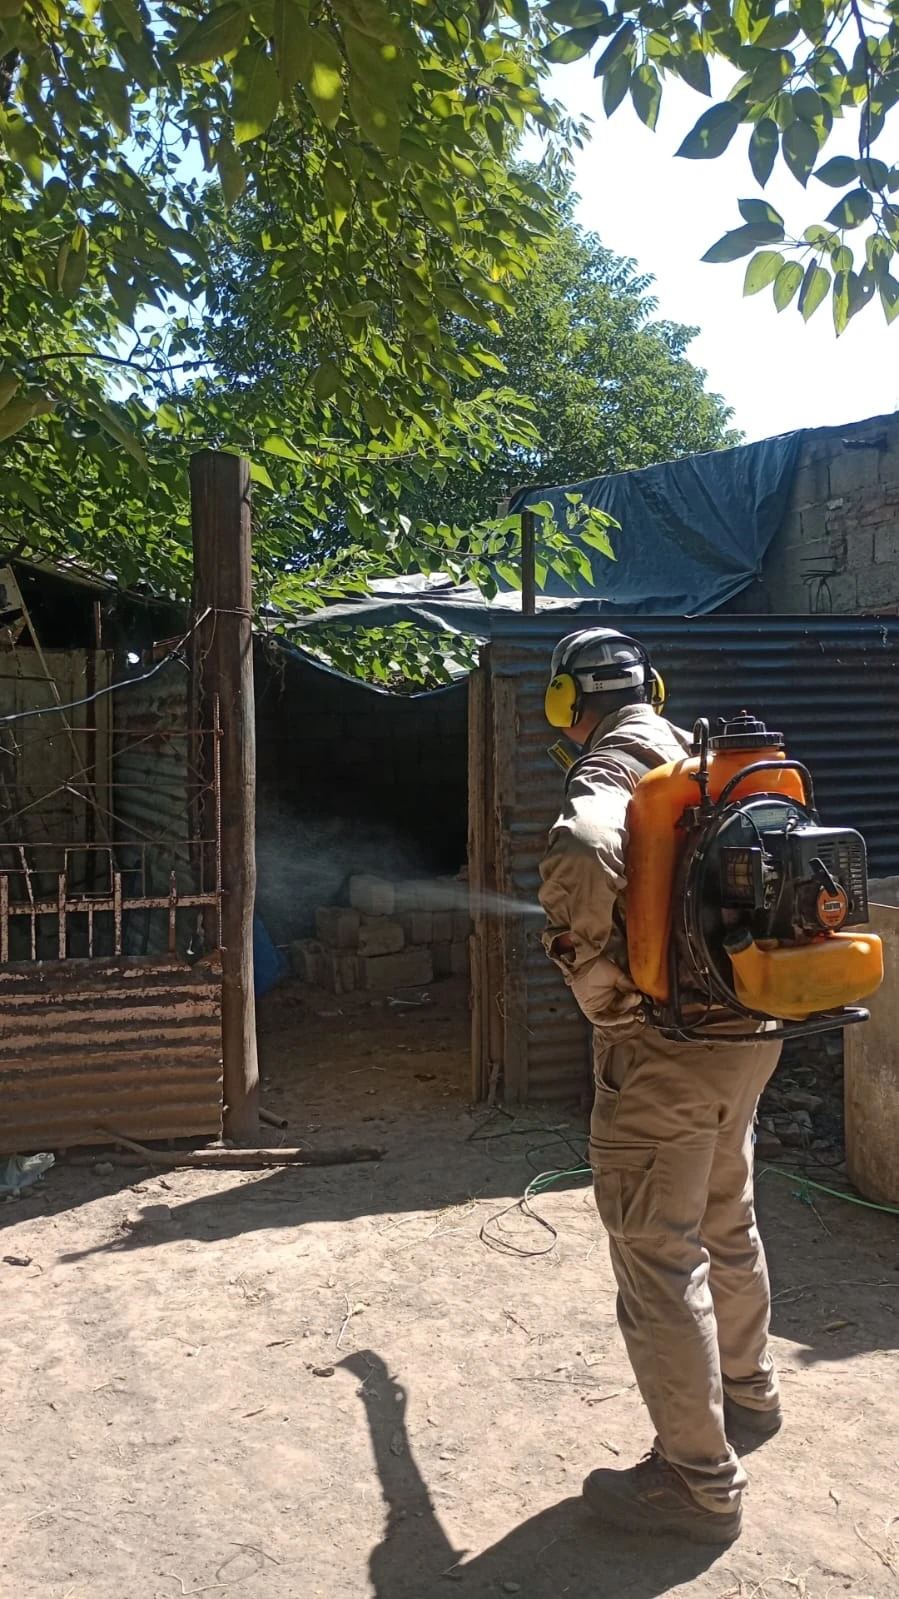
pixel 671 1148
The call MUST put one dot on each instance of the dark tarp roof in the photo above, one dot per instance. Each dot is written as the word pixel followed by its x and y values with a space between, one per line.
pixel 693 532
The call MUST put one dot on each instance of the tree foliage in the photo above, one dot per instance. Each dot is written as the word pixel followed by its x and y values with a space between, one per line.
pixel 800 69
pixel 609 388
pixel 372 141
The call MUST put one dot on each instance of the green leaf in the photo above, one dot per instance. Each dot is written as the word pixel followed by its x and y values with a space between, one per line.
pixel 646 93
pixel 712 133
pixel 576 13
pixel 231 171
pixel 799 145
pixel 21 410
pixel 762 270
pixel 377 415
pixel 214 36
pixel 840 302
pixel 573 45
pixel 786 284
pixel 258 474
pixel 112 90
pixel 814 289
pixel 116 423
pixel 257 94
pixel 276 445
pixel 779 31
pixel 874 174
pixel 854 209
pixel 690 63
pixel 290 28
pixel 622 44
pixel 889 297
pixel 338 193
pixel 326 380
pixel 741 241
pixel 71 266
pixel 321 73
pixel 23 142
pixel 760 212
pixel 763 149
pixel 615 84
pixel 436 205
pixel 838 171
pixel 55 196
pixel 9 384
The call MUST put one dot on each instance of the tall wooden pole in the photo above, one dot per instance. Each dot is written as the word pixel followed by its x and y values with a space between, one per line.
pixel 223 656
pixel 528 563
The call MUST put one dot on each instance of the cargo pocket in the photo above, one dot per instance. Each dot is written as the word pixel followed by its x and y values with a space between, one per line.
pixel 624 1182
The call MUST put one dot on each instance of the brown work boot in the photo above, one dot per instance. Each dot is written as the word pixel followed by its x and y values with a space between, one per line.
pixel 747 1429
pixel 652 1497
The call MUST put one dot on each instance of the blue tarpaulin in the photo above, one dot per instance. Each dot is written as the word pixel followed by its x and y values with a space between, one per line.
pixel 693 532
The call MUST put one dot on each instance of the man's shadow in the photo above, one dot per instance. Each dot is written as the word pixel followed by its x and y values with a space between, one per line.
pixel 562 1551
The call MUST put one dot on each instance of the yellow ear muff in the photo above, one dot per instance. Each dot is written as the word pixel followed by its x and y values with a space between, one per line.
pixel 657 694
pixel 560 701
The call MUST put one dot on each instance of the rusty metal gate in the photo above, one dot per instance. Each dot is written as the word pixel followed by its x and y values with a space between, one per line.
pixel 110 903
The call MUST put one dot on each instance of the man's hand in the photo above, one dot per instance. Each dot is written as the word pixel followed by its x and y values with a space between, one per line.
pixel 603 991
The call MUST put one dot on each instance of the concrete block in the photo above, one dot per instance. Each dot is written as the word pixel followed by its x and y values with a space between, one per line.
pixel 886 543
pixel 338 926
pixel 373 896
pixel 853 471
pixel 305 958
pixel 877 587
pixel 418 927
pixel 443 927
pixel 811 484
pixel 411 969
pixel 338 972
pixel 379 935
pixel 839 594
pixel 443 959
pixel 407 896
pixel 461 926
pixel 459 962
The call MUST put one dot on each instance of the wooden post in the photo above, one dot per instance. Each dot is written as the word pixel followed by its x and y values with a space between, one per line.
pixel 222 653
pixel 528 563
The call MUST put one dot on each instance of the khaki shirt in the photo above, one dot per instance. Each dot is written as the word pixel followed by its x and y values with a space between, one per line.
pixel 584 870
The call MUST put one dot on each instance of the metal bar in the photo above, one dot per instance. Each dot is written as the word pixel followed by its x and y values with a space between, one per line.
pixel 217 803
pixel 173 913
pixel 62 916
pixel 528 563
pixel 117 911
pixel 90 930
pixel 84 903
pixel 4 918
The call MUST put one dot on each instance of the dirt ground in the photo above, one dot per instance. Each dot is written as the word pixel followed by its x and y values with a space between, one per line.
pixel 325 1384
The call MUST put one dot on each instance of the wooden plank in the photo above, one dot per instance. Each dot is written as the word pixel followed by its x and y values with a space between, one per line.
pixel 512 928
pixel 223 651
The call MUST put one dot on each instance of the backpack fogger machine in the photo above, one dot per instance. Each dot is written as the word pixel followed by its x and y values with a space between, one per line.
pixel 739 903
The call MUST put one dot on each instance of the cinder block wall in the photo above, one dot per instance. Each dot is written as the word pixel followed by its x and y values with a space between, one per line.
pixel 838 548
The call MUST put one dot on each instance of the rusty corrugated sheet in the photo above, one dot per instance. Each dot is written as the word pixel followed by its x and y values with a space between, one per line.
pixel 134 1046
pixel 831 683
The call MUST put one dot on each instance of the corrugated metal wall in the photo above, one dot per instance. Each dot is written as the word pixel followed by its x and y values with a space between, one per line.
pixel 132 1047
pixel 830 683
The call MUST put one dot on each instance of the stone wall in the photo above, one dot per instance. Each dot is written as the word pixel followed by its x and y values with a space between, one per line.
pixel 838 548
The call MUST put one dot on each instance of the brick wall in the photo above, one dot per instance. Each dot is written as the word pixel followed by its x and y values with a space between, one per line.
pixel 838 548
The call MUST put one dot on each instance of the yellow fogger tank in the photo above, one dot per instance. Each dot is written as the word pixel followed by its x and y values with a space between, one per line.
pixel 740 904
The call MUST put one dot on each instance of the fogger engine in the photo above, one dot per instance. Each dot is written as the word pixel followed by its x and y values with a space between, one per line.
pixel 739 902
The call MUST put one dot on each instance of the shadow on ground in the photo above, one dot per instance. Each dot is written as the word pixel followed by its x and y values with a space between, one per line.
pixel 562 1551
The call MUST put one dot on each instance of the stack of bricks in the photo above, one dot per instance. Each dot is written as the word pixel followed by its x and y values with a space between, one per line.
pixel 389 936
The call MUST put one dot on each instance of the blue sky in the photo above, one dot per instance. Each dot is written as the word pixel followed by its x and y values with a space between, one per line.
pixel 777 372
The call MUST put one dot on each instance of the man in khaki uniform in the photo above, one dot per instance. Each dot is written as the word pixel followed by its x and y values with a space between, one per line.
pixel 671 1131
